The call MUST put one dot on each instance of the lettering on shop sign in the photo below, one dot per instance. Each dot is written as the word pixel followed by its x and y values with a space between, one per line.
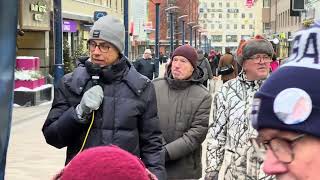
pixel 306 47
pixel 39 9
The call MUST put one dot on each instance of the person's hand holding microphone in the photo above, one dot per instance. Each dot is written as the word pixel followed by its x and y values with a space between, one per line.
pixel 91 101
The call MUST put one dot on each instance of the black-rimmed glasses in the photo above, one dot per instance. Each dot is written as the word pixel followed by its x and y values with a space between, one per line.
pixel 103 47
pixel 281 147
pixel 259 59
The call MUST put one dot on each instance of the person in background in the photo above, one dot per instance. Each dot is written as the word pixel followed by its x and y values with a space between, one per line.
pixel 214 62
pixel 228 60
pixel 286 113
pixel 183 108
pixel 105 162
pixel 229 155
pixel 147 66
pixel 274 64
pixel 205 66
pixel 106 101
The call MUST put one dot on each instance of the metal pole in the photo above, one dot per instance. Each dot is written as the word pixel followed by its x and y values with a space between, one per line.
pixel 200 40
pixel 195 38
pixel 58 53
pixel 209 45
pixel 157 53
pixel 171 32
pixel 190 35
pixel 183 32
pixel 126 26
pixel 8 31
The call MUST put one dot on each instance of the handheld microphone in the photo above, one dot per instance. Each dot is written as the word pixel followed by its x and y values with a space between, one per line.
pixel 95 73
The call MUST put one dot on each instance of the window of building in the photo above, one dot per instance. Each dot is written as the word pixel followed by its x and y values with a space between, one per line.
pixel 216 38
pixel 228 15
pixel 266 3
pixel 220 26
pixel 235 26
pixel 231 38
pixel 235 15
pixel 212 26
pixel 220 4
pixel 212 4
pixel 243 15
pixel 204 15
pixel 243 26
pixel 228 4
pixel 235 4
pixel 228 26
pixel 250 26
pixel 250 15
pixel 205 26
pixel 220 15
pixel 245 37
pixel 212 15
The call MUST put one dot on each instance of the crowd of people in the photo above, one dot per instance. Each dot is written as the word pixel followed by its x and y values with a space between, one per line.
pixel 121 120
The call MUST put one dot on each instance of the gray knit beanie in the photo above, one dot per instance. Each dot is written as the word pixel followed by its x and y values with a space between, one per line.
pixel 110 29
pixel 257 45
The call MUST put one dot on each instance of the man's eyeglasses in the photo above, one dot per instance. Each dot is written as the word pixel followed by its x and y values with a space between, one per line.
pixel 259 59
pixel 103 47
pixel 281 147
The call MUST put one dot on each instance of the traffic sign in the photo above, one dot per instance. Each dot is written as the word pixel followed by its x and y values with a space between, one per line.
pixel 99 14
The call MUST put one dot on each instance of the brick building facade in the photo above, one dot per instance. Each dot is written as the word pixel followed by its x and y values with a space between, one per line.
pixel 186 7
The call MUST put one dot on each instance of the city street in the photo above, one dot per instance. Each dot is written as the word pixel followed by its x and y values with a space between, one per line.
pixel 29 156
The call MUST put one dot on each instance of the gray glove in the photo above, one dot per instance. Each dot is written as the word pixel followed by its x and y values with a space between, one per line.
pixel 91 100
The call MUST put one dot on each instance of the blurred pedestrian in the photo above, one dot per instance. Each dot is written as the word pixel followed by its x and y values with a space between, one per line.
pixel 106 101
pixel 205 66
pixel 229 154
pixel 227 67
pixel 105 162
pixel 183 108
pixel 147 66
pixel 274 64
pixel 214 62
pixel 286 113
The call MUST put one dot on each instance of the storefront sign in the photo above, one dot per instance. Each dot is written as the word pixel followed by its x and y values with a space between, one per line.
pixel 69 26
pixel 35 14
pixel 233 10
pixel 249 3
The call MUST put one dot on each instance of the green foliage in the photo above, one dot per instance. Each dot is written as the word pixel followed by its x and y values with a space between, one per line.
pixel 68 64
pixel 79 52
pixel 70 60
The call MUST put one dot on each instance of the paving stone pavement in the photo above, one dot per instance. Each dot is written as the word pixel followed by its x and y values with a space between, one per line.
pixel 29 157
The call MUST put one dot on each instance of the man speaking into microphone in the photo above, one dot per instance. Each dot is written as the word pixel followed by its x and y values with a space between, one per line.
pixel 109 105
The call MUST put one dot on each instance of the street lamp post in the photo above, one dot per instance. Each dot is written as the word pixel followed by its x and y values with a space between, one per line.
pixel 58 53
pixel 195 34
pixel 190 26
pixel 171 11
pixel 157 53
pixel 126 26
pixel 182 28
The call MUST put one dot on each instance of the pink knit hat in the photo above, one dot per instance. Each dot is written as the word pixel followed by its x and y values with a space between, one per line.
pixel 105 163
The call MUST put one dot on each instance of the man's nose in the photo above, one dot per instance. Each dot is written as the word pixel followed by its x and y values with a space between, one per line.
pixel 96 50
pixel 272 166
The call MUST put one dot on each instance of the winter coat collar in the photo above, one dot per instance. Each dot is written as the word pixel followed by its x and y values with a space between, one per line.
pixel 255 84
pixel 196 78
pixel 79 80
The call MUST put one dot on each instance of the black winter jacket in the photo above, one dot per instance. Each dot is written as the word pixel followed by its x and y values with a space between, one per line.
pixel 127 117
pixel 147 67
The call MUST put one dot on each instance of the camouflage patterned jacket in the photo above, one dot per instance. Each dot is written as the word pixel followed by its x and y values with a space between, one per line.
pixel 230 155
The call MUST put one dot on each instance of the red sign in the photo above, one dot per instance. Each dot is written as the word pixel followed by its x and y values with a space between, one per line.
pixel 249 3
